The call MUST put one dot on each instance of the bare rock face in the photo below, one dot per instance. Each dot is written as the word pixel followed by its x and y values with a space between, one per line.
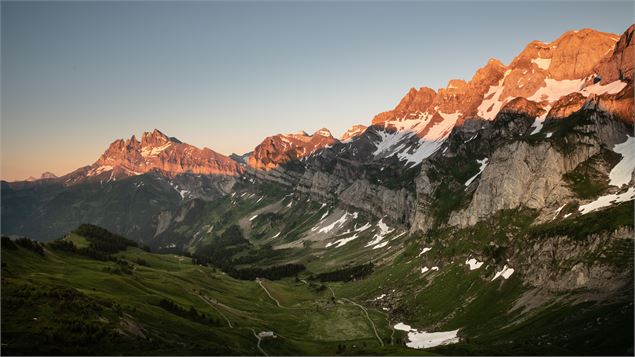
pixel 521 105
pixel 465 97
pixel 280 149
pixel 415 101
pixel 353 132
pixel 567 105
pixel 571 272
pixel 518 175
pixel 618 64
pixel 576 53
pixel 156 151
pixel 620 104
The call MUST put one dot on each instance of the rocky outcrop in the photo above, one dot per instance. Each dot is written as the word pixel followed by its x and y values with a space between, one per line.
pixel 279 149
pixel 524 175
pixel 523 106
pixel 567 105
pixel 560 263
pixel 416 101
pixel 353 132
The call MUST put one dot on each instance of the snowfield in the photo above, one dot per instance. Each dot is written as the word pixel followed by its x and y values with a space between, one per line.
pixel 608 200
pixel 424 339
pixel 622 173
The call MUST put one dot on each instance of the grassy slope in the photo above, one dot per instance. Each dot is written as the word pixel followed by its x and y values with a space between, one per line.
pixel 305 322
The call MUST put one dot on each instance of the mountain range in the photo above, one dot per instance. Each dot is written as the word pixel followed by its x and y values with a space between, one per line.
pixel 525 170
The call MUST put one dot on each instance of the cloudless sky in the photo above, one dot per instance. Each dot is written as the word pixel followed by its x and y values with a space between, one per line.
pixel 78 75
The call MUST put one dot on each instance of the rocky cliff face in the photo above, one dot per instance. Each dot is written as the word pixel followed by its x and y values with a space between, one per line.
pixel 353 132
pixel 280 149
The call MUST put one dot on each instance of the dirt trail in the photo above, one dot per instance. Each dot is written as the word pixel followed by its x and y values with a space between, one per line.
pixel 268 293
pixel 258 344
pixel 372 324
pixel 217 310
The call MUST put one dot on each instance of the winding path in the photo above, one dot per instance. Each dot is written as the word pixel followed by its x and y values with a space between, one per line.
pixel 368 318
pixel 217 310
pixel 365 313
pixel 258 344
pixel 271 296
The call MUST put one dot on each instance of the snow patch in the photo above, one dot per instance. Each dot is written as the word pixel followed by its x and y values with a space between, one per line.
pixel 424 250
pixel 473 263
pixel 340 222
pixel 421 339
pixel 341 242
pixel 505 273
pixel 558 211
pixel 99 170
pixel 384 230
pixel 622 173
pixel 154 151
pixel 597 88
pixel 608 200
pixel 483 164
pixel 555 89
pixel 542 63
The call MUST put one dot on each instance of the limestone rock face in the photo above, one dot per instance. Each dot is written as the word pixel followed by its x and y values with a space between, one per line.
pixel 522 105
pixel 157 151
pixel 353 131
pixel 566 106
pixel 537 262
pixel 618 64
pixel 521 175
pixel 280 149
pixel 415 101
pixel 576 53
pixel 465 97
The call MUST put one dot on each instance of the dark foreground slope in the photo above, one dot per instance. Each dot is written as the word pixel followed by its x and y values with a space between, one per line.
pixel 100 294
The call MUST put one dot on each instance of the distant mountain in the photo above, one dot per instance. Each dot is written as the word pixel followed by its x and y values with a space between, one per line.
pixel 45 176
pixel 282 148
pixel 155 152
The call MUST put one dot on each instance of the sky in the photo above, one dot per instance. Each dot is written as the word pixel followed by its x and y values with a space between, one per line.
pixel 76 76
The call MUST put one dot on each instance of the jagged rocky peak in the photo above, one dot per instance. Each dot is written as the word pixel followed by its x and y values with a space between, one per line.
pixel 416 101
pixel 45 176
pixel 353 131
pixel 157 151
pixel 278 149
pixel 323 132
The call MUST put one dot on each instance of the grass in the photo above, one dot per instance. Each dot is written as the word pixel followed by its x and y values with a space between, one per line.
pixel 130 303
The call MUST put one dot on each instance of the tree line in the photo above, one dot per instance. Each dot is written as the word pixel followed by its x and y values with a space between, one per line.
pixel 190 314
pixel 346 274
